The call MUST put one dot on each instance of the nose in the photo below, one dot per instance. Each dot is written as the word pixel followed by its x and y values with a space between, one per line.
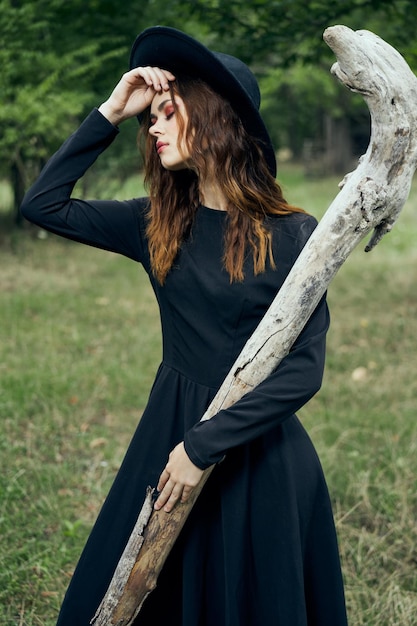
pixel 155 129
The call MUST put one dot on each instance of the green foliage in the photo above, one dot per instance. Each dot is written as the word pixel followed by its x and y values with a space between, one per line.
pixel 59 58
pixel 296 101
pixel 283 31
pixel 47 78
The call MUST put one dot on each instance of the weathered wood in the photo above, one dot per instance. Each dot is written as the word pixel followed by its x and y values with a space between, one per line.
pixel 128 558
pixel 371 197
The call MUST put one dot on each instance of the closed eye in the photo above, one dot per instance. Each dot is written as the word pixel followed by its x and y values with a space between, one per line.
pixel 169 111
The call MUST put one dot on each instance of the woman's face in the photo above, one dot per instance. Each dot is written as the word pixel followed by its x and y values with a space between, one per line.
pixel 174 155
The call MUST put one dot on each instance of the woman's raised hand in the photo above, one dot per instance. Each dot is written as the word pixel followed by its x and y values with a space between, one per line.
pixel 134 93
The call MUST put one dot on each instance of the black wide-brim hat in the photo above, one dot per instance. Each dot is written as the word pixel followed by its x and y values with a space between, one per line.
pixel 171 49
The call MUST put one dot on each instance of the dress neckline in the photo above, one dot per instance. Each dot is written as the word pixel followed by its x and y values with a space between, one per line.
pixel 211 210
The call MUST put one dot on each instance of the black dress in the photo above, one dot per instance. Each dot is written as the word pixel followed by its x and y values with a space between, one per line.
pixel 259 548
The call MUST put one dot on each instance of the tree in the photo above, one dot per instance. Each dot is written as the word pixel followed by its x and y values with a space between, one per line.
pixel 60 58
pixel 41 85
pixel 284 31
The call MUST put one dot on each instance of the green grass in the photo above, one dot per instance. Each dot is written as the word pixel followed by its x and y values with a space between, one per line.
pixel 79 345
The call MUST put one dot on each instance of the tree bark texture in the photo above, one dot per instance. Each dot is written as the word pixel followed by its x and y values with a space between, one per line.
pixel 371 198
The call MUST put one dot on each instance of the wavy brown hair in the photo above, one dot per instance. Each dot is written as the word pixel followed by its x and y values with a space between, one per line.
pixel 219 147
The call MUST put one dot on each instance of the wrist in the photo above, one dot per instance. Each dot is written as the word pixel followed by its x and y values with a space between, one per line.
pixel 110 114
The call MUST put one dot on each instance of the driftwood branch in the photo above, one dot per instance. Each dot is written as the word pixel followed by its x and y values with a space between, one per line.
pixel 371 198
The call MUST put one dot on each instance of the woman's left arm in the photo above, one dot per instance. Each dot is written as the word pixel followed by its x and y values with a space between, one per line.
pixel 294 382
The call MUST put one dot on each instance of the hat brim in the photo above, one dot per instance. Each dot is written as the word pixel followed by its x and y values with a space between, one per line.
pixel 173 50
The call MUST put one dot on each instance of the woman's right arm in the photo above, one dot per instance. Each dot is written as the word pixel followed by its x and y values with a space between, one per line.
pixel 110 225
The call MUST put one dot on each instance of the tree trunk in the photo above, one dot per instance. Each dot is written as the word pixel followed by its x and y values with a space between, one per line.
pixel 18 187
pixel 371 197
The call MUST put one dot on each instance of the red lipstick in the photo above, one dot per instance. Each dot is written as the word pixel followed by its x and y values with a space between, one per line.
pixel 160 145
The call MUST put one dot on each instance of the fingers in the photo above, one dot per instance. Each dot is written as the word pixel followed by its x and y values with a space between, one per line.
pixel 186 492
pixel 163 479
pixel 171 493
pixel 155 77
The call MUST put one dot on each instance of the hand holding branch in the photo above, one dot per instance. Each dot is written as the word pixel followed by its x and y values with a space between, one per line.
pixel 178 479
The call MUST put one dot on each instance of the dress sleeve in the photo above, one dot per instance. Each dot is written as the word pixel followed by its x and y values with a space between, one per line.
pixel 111 225
pixel 293 383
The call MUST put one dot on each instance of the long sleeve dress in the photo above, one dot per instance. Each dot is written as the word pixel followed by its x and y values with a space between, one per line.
pixel 259 547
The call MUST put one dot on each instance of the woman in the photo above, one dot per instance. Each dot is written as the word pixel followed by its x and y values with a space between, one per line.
pixel 217 240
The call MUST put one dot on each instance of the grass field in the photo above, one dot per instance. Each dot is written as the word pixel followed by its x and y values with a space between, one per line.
pixel 79 346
